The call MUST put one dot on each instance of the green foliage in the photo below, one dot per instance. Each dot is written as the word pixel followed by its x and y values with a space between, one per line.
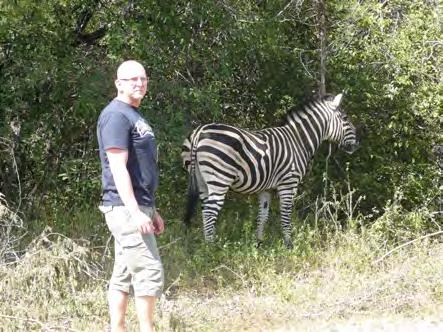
pixel 390 74
pixel 243 63
pixel 397 224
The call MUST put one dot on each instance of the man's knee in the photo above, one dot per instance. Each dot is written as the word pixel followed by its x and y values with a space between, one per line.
pixel 149 281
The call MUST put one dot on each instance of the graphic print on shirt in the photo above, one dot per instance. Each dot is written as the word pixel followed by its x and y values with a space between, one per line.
pixel 142 128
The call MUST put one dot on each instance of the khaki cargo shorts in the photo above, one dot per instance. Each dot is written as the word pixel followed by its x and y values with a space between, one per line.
pixel 137 261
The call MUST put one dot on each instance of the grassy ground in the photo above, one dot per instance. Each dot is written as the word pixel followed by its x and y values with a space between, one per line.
pixel 333 280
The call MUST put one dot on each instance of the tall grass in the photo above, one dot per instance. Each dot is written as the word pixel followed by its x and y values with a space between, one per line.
pixel 341 270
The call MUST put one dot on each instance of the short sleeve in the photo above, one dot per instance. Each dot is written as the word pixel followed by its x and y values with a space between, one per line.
pixel 115 130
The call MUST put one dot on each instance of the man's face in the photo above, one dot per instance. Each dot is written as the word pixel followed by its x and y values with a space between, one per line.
pixel 132 82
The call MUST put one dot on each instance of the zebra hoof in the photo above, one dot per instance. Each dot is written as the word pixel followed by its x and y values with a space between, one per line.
pixel 210 238
pixel 289 245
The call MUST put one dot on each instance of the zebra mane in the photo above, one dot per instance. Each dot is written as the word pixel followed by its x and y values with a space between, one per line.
pixel 302 105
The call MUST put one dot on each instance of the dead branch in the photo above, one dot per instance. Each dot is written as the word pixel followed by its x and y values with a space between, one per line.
pixel 404 245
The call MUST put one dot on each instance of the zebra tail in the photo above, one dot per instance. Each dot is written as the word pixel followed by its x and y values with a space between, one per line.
pixel 192 198
pixel 193 191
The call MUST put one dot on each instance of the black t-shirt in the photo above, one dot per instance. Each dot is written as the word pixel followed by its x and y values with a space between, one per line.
pixel 121 126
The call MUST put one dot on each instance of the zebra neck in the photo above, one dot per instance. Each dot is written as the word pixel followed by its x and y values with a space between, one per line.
pixel 308 131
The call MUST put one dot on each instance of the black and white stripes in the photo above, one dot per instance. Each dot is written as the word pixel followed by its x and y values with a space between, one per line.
pixel 220 157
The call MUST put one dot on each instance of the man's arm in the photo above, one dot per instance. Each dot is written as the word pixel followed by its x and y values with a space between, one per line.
pixel 117 162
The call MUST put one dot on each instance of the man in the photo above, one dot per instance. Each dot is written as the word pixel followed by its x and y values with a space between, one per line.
pixel 128 156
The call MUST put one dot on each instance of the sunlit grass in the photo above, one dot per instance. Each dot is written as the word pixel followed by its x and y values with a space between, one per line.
pixel 334 276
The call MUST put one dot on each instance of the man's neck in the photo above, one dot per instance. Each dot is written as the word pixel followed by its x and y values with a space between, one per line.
pixel 130 101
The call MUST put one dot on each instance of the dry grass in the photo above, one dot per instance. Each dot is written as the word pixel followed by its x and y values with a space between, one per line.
pixel 56 287
pixel 403 291
pixel 9 223
pixel 51 287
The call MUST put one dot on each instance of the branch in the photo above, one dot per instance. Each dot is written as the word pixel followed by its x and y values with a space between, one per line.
pixel 167 291
pixel 82 23
pixel 404 245
pixel 222 266
pixel 91 38
pixel 169 244
pixel 321 21
pixel 286 7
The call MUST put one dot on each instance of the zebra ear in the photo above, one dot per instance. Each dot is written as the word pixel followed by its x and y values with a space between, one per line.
pixel 337 100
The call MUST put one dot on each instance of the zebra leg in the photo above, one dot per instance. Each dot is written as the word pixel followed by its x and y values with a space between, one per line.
pixel 211 207
pixel 286 202
pixel 263 214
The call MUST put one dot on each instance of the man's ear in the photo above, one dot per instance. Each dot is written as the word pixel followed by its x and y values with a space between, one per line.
pixel 118 85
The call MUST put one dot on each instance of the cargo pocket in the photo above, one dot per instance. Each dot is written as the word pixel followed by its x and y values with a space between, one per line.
pixel 122 227
pixel 131 238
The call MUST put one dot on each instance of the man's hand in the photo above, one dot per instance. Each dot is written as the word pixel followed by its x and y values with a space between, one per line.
pixel 144 223
pixel 159 223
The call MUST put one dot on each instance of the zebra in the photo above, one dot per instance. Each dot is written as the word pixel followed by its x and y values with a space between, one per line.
pixel 221 157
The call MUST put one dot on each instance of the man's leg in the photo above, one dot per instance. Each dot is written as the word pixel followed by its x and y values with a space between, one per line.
pixel 137 262
pixel 145 306
pixel 118 302
pixel 118 290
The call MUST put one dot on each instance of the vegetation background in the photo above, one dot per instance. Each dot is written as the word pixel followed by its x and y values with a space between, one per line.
pixel 368 226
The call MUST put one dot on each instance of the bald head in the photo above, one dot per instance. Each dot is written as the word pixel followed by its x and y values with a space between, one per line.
pixel 130 68
pixel 131 82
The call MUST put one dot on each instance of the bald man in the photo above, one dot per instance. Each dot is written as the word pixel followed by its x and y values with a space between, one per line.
pixel 128 155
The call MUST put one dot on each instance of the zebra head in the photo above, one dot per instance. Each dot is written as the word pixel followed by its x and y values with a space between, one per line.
pixel 341 130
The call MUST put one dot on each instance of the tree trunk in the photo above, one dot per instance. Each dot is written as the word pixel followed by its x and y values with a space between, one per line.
pixel 321 23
